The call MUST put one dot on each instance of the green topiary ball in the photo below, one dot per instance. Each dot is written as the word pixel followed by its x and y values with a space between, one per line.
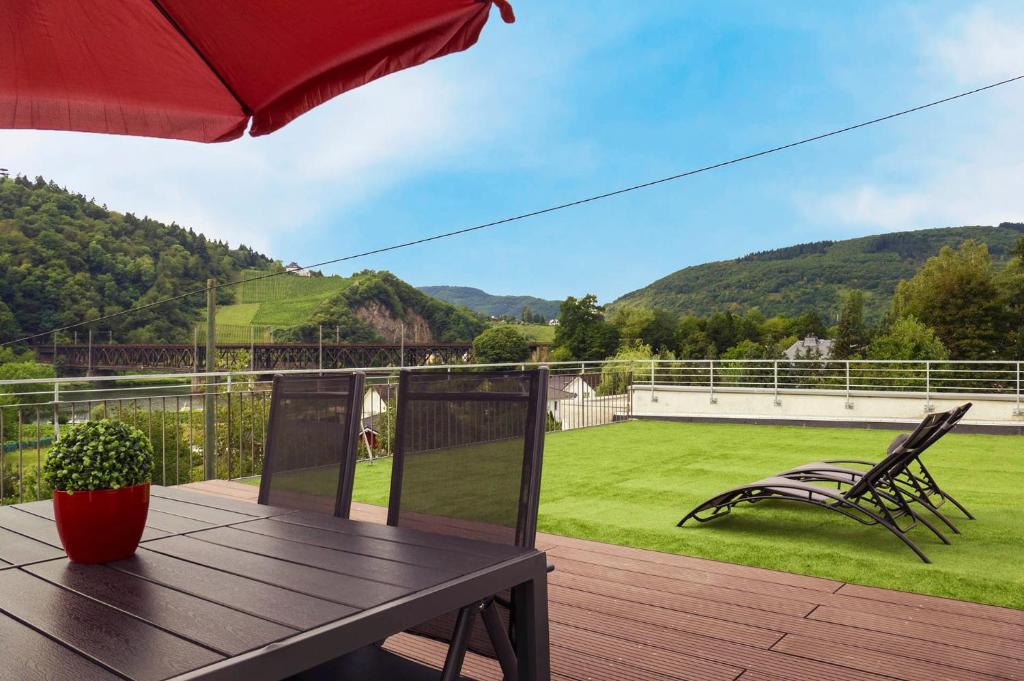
pixel 99 455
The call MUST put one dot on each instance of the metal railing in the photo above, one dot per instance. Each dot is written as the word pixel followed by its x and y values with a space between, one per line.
pixel 170 410
pixel 926 377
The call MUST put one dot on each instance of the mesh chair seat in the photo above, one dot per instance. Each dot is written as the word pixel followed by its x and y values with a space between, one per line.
pixel 468 464
pixel 309 463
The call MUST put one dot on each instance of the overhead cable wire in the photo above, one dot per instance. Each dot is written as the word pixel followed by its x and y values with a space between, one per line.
pixel 530 214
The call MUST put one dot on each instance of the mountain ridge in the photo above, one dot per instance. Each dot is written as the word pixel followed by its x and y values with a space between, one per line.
pixel 490 304
pixel 813 275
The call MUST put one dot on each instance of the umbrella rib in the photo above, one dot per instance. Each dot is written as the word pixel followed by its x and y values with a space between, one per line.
pixel 195 48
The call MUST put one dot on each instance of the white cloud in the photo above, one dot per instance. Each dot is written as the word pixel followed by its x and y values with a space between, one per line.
pixel 254 189
pixel 965 168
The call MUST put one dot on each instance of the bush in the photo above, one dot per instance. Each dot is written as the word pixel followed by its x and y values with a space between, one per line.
pixel 501 344
pixel 99 455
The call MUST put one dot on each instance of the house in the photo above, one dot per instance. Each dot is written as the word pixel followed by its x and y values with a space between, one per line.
pixel 377 397
pixel 810 347
pixel 552 322
pixel 555 397
pixel 296 268
pixel 581 386
pixel 375 405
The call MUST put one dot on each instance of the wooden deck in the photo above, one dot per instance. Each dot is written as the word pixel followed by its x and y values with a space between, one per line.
pixel 624 613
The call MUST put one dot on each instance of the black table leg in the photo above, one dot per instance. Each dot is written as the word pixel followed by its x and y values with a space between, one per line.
pixel 532 641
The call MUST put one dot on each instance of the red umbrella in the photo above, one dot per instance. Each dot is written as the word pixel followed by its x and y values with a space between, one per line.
pixel 200 69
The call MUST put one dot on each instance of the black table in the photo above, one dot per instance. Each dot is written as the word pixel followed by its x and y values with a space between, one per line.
pixel 224 589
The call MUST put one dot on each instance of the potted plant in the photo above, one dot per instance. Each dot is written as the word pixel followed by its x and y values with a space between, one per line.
pixel 100 472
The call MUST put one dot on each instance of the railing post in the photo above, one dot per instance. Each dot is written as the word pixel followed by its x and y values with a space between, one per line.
pixel 56 415
pixel 849 402
pixel 711 380
pixel 88 370
pixel 320 348
pixel 210 396
pixel 775 379
pixel 1018 411
pixel 654 398
pixel 928 406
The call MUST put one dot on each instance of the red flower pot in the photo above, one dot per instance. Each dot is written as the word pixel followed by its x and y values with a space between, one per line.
pixel 101 526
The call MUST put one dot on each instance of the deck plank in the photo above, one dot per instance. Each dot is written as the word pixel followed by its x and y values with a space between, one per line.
pixel 874 661
pixel 624 614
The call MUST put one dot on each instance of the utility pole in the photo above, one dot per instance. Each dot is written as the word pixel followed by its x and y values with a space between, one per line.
pixel 210 397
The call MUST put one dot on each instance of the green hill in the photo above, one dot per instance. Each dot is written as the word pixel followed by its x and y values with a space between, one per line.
pixel 373 306
pixel 367 307
pixel 810 277
pixel 492 305
pixel 65 259
pixel 284 300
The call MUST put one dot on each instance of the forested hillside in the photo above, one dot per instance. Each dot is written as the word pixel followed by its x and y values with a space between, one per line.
pixel 380 307
pixel 65 259
pixel 492 305
pixel 811 277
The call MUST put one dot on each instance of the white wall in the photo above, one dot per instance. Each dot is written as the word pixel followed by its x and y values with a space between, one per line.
pixel 817 405
pixel 596 411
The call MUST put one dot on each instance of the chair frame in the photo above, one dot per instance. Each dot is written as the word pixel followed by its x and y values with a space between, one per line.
pixel 346 474
pixel 526 522
pixel 919 486
pixel 874 499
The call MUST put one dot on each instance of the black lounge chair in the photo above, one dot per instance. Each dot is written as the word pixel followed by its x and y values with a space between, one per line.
pixel 875 499
pixel 915 482
pixel 309 461
pixel 467 463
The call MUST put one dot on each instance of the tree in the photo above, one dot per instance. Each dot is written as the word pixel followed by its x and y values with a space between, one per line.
pixel 692 340
pixel 527 316
pixel 907 338
pixel 639 324
pixel 501 344
pixel 630 321
pixel 583 333
pixel 851 335
pixel 957 294
pixel 8 324
pixel 807 324
pixel 1011 282
pixel 616 377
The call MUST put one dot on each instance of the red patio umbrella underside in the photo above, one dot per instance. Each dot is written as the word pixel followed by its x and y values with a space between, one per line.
pixel 199 70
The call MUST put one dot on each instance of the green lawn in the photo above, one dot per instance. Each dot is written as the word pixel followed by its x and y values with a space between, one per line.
pixel 239 314
pixel 538 333
pixel 630 483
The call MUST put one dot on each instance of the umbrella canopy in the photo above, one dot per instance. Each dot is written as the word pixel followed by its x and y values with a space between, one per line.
pixel 199 70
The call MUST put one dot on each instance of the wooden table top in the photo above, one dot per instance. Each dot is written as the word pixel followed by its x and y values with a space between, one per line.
pixel 221 587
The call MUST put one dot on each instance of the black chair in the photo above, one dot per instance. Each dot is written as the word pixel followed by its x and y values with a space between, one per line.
pixel 467 463
pixel 874 499
pixel 915 481
pixel 309 461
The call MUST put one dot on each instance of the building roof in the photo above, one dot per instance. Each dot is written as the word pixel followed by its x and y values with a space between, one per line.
pixel 810 346
pixel 555 394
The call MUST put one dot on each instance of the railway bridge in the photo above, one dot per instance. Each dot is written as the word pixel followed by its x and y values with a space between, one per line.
pixel 253 357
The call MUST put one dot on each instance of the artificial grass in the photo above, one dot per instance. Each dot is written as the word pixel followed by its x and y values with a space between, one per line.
pixel 630 483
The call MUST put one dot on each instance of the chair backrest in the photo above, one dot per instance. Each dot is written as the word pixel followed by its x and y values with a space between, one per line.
pixel 903 451
pixel 468 453
pixel 309 460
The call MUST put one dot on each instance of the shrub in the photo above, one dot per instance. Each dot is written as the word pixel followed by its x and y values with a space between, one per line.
pixel 99 455
pixel 501 344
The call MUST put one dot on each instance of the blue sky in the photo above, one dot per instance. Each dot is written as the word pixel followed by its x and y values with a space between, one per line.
pixel 580 97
